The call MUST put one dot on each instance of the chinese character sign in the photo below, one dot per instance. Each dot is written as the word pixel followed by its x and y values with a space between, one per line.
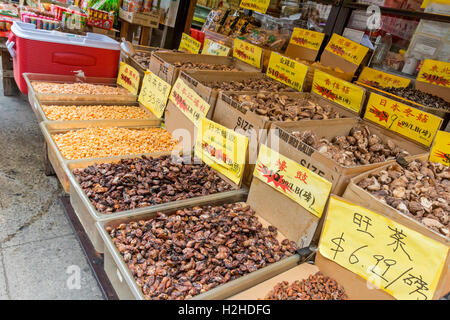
pixel 222 149
pixel 189 44
pixel 287 71
pixel 435 72
pixel 377 78
pixel 215 48
pixel 396 259
pixel 440 152
pixel 337 90
pixel 128 77
pixel 189 102
pixel 247 52
pixel 255 5
pixel 154 93
pixel 398 117
pixel 293 180
pixel 307 38
pixel 347 49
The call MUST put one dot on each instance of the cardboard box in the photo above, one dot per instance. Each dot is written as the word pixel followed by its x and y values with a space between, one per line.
pixel 162 64
pixel 146 19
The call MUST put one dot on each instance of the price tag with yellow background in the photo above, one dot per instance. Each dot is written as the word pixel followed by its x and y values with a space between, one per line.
pixel 293 180
pixel 154 93
pixel 440 152
pixel 189 102
pixel 337 90
pixel 287 71
pixel 435 72
pixel 215 48
pixel 255 5
pixel 375 78
pixel 222 149
pixel 189 44
pixel 398 117
pixel 347 49
pixel 396 259
pixel 247 52
pixel 307 38
pixel 128 77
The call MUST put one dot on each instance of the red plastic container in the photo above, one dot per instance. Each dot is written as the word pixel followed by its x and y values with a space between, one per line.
pixel 53 52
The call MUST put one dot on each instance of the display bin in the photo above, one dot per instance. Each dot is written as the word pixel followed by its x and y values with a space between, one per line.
pixel 162 64
pixel 56 158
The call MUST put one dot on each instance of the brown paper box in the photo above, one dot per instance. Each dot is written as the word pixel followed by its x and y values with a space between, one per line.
pixel 146 19
pixel 329 59
pixel 302 53
pixel 439 91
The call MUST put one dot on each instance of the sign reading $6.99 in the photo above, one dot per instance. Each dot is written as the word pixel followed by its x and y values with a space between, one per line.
pixel 287 71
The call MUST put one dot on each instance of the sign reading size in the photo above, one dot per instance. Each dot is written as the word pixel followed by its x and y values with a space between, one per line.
pixel 396 259
pixel 247 52
pixel 189 102
pixel 441 148
pixel 398 117
pixel 382 79
pixel 345 48
pixel 128 77
pixel 215 48
pixel 255 5
pixel 435 72
pixel 222 149
pixel 189 44
pixel 307 38
pixel 293 180
pixel 154 93
pixel 337 90
pixel 287 71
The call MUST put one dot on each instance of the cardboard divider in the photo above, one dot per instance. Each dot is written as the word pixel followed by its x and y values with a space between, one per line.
pixel 443 92
pixel 302 53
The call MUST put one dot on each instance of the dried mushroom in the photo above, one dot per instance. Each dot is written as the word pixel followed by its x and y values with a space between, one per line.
pixel 204 66
pixel 260 84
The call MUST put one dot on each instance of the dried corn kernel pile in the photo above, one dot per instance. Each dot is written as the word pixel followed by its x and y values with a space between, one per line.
pixel 94 112
pixel 77 88
pixel 108 142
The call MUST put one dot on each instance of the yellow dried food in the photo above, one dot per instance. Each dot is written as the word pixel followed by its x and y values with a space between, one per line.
pixel 98 112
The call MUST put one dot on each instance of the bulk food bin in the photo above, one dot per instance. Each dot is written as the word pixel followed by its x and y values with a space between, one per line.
pixel 36 50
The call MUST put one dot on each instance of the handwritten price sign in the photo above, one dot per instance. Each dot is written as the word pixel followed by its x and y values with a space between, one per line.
pixel 189 44
pixel 347 49
pixel 374 77
pixel 396 259
pixel 128 77
pixel 307 38
pixel 215 48
pixel 287 71
pixel 441 148
pixel 154 93
pixel 293 180
pixel 222 149
pixel 247 52
pixel 255 5
pixel 398 117
pixel 435 72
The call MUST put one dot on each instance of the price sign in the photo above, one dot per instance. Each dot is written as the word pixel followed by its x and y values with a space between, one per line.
pixel 345 48
pixel 296 182
pixel 255 5
pixel 398 117
pixel 247 52
pixel 189 44
pixel 154 93
pixel 441 148
pixel 435 72
pixel 215 48
pixel 287 71
pixel 377 78
pixel 222 149
pixel 337 90
pixel 396 259
pixel 128 77
pixel 189 102
pixel 307 38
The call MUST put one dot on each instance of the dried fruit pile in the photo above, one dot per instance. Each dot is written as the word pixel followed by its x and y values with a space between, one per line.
pixel 316 287
pixel 143 58
pixel 260 84
pixel 204 66
pixel 194 250
pixel 359 147
pixel 423 98
pixel 421 191
pixel 77 88
pixel 94 112
pixel 142 182
pixel 279 107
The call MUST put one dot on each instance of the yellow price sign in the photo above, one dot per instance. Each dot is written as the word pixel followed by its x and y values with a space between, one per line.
pixel 128 77
pixel 305 187
pixel 440 152
pixel 396 259
pixel 307 38
pixel 222 149
pixel 337 90
pixel 255 5
pixel 189 102
pixel 215 48
pixel 345 48
pixel 398 117
pixel 382 79
pixel 435 72
pixel 287 71
pixel 154 93
pixel 189 44
pixel 247 52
